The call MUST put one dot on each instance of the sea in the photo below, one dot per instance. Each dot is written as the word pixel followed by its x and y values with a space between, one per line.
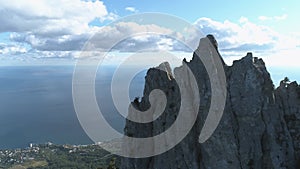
pixel 36 105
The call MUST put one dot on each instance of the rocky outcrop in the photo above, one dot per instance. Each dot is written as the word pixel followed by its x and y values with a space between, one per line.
pixel 260 127
pixel 288 101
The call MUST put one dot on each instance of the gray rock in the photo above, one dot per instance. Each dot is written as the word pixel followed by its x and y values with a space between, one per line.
pixel 260 127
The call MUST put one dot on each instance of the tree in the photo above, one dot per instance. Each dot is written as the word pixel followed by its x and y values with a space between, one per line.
pixel 112 164
pixel 286 80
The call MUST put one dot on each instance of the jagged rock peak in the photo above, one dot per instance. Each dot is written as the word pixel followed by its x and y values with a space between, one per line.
pixel 260 125
pixel 165 66
pixel 250 60
pixel 213 40
pixel 208 47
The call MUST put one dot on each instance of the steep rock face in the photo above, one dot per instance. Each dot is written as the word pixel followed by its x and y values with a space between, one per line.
pixel 288 100
pixel 259 129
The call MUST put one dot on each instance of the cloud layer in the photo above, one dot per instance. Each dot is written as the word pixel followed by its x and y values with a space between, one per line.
pixel 276 18
pixel 235 39
pixel 131 9
pixel 42 29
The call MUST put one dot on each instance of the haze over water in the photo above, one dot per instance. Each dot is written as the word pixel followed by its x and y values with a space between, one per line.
pixel 37 107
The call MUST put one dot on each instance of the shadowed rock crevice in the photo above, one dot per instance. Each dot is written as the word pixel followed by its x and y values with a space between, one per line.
pixel 260 127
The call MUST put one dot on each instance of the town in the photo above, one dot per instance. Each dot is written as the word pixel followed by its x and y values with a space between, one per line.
pixel 50 155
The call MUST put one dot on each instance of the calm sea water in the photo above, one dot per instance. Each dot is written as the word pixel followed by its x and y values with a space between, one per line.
pixel 36 105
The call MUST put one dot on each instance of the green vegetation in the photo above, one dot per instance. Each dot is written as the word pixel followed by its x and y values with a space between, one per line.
pixel 31 164
pixel 62 157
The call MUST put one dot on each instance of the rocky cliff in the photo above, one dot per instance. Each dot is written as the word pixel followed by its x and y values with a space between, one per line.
pixel 259 129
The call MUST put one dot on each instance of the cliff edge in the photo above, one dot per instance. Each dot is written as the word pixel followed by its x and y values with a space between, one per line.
pixel 259 129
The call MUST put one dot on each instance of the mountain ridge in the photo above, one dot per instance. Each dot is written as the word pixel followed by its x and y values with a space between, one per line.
pixel 259 127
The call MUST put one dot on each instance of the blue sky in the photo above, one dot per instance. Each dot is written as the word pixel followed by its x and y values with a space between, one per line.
pixel 218 10
pixel 53 32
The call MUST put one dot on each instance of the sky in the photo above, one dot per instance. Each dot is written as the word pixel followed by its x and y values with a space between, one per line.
pixel 54 32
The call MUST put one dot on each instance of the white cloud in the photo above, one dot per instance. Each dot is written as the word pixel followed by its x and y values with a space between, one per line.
pixel 131 9
pixel 264 18
pixel 234 35
pixel 276 18
pixel 120 32
pixel 284 58
pixel 56 25
pixel 12 49
pixel 50 17
pixel 282 17
pixel 236 39
pixel 243 19
pixel 59 43
pixel 104 38
pixel 60 31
